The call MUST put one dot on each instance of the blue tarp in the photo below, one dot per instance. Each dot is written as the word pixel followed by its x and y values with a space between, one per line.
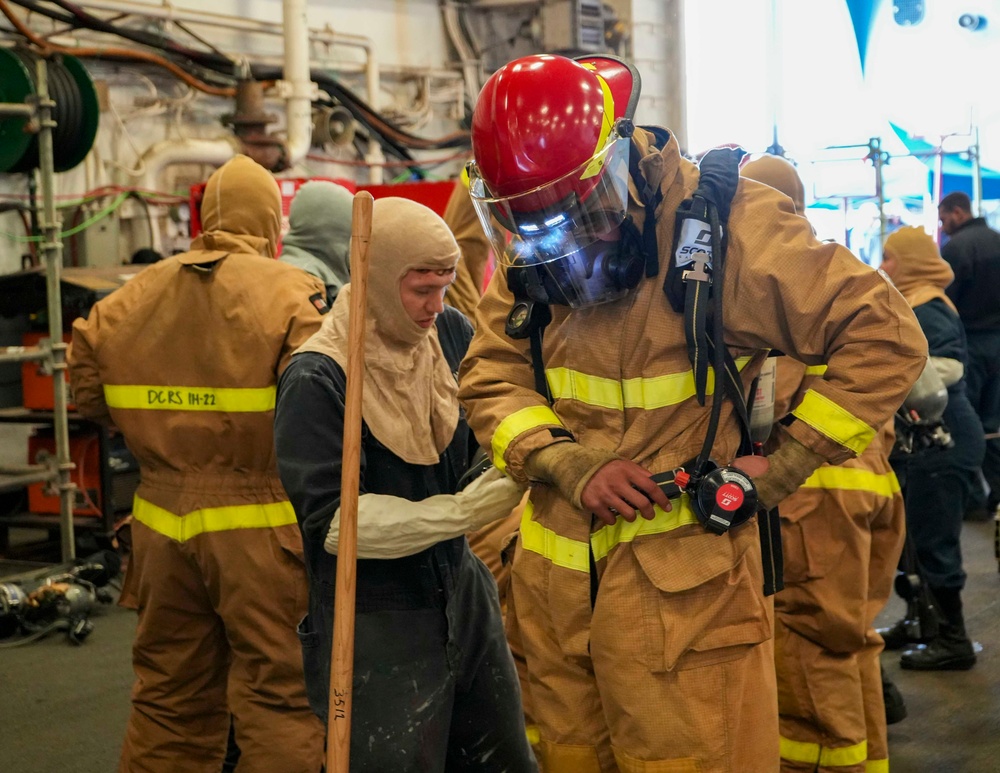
pixel 957 172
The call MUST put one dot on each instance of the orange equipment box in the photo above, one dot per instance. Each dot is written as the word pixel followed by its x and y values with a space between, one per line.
pixel 36 386
pixel 84 450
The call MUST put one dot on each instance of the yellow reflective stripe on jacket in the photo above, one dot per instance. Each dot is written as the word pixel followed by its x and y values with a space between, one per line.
pixel 854 479
pixel 877 766
pixel 815 370
pixel 561 551
pixel 575 554
pixel 518 422
pixel 648 393
pixel 605 539
pixel 180 398
pixel 828 418
pixel 842 757
pixel 210 519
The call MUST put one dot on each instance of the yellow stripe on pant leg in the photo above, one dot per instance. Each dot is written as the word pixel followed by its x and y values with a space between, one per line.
pixel 813 753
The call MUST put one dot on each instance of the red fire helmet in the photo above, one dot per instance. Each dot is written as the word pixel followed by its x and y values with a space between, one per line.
pixel 550 140
pixel 538 118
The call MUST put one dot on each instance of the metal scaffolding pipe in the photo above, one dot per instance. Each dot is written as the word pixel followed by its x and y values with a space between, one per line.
pixel 16 110
pixel 23 354
pixel 52 251
pixel 14 481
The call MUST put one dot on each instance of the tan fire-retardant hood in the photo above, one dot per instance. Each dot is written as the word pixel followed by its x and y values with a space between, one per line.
pixel 781 175
pixel 241 210
pixel 921 274
pixel 410 399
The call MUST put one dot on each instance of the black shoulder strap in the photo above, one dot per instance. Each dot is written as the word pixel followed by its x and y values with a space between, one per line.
pixel 651 197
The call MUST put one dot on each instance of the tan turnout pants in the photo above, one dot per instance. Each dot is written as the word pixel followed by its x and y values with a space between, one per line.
pixel 672 671
pixel 216 636
pixel 839 570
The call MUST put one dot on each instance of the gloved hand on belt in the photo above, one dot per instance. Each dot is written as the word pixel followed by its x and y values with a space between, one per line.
pixel 393 527
pixel 597 480
pixel 789 467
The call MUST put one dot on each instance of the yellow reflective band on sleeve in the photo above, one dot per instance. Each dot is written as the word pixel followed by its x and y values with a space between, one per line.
pixel 605 539
pixel 816 370
pixel 566 384
pixel 813 753
pixel 517 423
pixel 828 418
pixel 877 766
pixel 561 551
pixel 647 393
pixel 179 398
pixel 210 519
pixel 853 479
pixel 534 734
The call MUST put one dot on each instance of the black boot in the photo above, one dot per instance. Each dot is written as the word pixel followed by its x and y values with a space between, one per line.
pixel 895 707
pixel 896 636
pixel 951 649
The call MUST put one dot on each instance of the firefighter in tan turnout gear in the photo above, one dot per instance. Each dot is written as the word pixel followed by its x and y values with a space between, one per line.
pixel 842 533
pixel 183 360
pixel 648 637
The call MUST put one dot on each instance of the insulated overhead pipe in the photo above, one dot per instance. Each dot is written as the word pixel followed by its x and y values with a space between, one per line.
pixel 297 87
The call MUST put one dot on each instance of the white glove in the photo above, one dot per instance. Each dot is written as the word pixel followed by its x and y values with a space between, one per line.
pixel 950 371
pixel 393 527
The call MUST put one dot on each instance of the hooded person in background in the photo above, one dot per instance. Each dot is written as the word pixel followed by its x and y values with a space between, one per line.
pixel 841 535
pixel 434 684
pixel 938 484
pixel 184 359
pixel 319 234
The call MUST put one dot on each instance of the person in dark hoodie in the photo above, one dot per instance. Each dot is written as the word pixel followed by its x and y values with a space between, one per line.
pixel 319 236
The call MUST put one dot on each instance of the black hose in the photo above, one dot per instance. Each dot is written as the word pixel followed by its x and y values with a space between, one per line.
pixel 39 634
pixel 68 114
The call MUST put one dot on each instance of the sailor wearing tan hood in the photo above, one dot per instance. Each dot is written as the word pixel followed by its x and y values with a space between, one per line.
pixel 184 360
pixel 428 628
pixel 937 486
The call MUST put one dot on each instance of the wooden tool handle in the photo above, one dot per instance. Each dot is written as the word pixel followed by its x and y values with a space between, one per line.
pixel 338 730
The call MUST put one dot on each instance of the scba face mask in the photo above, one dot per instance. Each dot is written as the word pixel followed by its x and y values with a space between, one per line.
pixel 563 248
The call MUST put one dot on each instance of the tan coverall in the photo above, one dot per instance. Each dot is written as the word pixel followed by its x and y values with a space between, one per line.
pixel 184 361
pixel 493 543
pixel 842 533
pixel 672 668
pixel 464 294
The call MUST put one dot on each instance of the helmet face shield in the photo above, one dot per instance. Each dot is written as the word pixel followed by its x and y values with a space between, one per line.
pixel 568 228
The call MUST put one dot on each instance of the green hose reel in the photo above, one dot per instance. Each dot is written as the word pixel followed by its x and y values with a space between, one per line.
pixel 76 111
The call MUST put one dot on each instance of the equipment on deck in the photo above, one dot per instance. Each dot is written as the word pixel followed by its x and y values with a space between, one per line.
pixel 62 602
